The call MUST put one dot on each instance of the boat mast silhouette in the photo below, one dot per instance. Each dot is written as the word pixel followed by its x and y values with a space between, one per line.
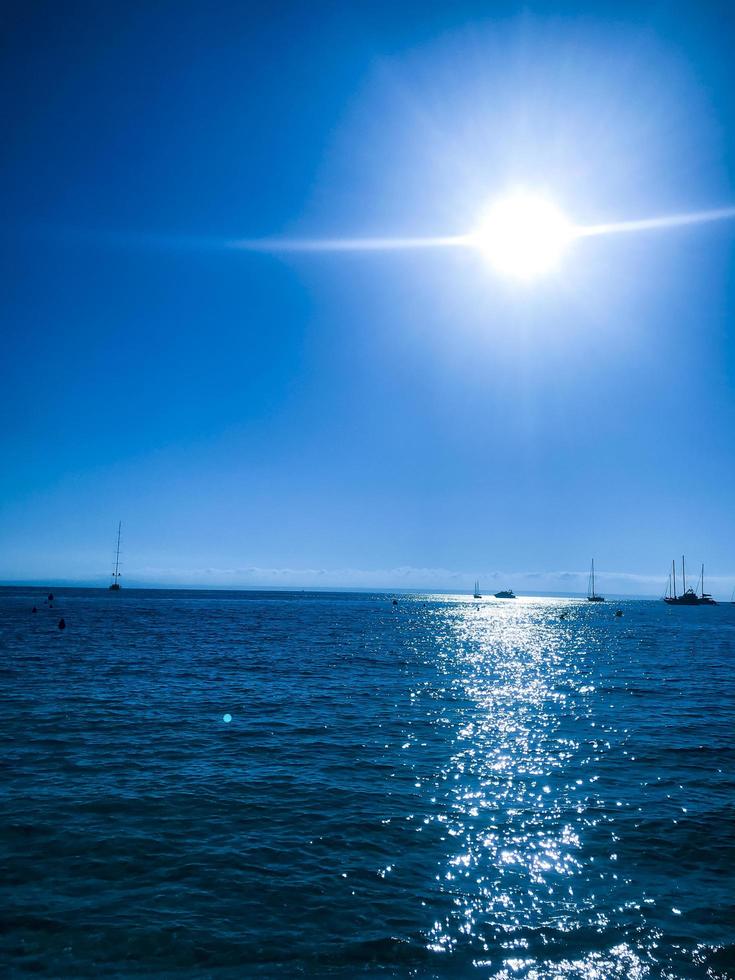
pixel 115 586
pixel 688 596
pixel 591 594
pixel 705 599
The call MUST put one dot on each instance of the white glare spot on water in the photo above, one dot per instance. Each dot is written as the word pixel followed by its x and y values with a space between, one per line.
pixel 227 718
pixel 515 797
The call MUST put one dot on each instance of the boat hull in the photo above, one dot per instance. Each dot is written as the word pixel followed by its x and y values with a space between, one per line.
pixel 688 601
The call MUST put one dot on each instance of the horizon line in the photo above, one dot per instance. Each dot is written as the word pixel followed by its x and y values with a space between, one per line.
pixel 362 590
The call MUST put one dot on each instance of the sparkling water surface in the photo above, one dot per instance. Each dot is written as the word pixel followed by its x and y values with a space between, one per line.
pixel 290 784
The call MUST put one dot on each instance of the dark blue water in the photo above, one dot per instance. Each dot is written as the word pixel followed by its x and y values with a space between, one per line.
pixel 424 790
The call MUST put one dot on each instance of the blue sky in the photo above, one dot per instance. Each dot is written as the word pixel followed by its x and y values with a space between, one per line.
pixel 385 418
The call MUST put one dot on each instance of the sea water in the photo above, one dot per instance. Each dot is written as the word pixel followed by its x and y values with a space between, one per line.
pixel 290 784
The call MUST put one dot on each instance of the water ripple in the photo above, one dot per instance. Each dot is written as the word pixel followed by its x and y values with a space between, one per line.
pixel 437 788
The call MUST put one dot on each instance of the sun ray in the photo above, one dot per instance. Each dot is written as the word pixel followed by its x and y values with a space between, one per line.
pixel 565 232
pixel 384 243
pixel 345 244
pixel 650 224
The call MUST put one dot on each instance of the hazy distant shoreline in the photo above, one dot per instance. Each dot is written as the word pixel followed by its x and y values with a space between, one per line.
pixel 324 590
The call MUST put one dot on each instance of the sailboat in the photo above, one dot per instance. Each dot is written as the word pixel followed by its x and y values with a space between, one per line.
pixel 689 596
pixel 705 599
pixel 115 586
pixel 476 594
pixel 592 596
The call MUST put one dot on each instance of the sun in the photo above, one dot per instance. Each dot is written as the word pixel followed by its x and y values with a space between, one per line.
pixel 523 235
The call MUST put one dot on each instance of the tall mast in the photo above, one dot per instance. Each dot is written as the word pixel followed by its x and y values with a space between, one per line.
pixel 702 578
pixel 683 575
pixel 673 569
pixel 117 553
pixel 593 578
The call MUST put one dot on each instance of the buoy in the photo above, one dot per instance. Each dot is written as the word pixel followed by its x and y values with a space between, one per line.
pixel 395 602
pixel 227 718
pixel 50 597
pixel 62 624
pixel 618 612
pixel 34 610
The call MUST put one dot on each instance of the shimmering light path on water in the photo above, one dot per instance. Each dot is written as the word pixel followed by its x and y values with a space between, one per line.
pixel 228 785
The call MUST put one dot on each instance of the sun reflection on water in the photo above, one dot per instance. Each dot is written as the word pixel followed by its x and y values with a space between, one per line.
pixel 517 797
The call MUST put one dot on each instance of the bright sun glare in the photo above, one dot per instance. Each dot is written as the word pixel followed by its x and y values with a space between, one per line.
pixel 524 235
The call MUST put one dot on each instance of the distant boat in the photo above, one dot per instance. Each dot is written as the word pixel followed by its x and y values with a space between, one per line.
pixel 505 594
pixel 592 596
pixel 476 594
pixel 115 587
pixel 689 596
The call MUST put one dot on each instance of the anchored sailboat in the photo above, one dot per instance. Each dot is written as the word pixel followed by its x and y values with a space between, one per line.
pixel 592 596
pixel 689 596
pixel 476 594
pixel 115 586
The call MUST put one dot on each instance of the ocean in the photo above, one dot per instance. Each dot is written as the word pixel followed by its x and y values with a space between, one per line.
pixel 227 785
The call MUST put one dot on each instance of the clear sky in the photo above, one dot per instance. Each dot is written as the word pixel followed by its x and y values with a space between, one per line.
pixel 397 418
